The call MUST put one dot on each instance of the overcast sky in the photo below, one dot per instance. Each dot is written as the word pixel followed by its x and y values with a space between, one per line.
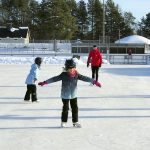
pixel 139 8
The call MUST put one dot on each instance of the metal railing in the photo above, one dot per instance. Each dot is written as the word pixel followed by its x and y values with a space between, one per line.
pixel 65 49
pixel 34 48
pixel 128 59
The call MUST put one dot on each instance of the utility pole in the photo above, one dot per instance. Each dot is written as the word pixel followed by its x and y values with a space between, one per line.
pixel 92 22
pixel 103 21
pixel 119 34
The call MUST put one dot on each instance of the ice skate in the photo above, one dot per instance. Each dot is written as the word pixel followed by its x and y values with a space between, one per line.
pixel 76 125
pixel 63 124
pixel 37 101
pixel 27 100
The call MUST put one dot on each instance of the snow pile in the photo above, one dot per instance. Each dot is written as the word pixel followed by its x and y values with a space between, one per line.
pixel 16 60
pixel 78 61
pixel 46 60
pixel 30 60
pixel 105 61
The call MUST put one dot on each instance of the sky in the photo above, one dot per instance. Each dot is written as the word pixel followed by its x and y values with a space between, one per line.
pixel 139 8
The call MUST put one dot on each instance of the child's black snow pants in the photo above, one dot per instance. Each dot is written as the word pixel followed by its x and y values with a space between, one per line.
pixel 95 70
pixel 74 109
pixel 31 90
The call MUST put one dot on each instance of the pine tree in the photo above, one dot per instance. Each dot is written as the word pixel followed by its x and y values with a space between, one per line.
pixel 115 24
pixel 82 19
pixel 98 19
pixel 144 26
pixel 90 7
pixel 56 20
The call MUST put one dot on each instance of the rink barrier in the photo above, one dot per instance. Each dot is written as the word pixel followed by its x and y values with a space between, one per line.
pixel 142 59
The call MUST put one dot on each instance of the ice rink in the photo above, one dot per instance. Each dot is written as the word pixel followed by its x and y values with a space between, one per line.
pixel 114 117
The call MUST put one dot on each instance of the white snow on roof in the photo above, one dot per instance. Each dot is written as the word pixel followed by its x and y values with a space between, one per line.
pixel 134 39
pixel 23 28
pixel 13 29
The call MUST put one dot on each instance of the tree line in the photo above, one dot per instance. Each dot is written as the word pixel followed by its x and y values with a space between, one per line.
pixel 68 20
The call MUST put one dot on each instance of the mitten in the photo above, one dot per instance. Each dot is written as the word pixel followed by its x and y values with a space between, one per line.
pixel 97 83
pixel 42 83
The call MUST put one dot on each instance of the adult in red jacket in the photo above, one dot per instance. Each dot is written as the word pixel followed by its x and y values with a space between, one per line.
pixel 95 58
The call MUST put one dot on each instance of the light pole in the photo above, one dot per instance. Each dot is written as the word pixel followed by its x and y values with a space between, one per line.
pixel 103 21
pixel 119 34
pixel 54 34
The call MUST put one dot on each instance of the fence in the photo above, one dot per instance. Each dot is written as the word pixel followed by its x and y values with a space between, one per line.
pixel 34 48
pixel 138 59
pixel 127 59
pixel 65 49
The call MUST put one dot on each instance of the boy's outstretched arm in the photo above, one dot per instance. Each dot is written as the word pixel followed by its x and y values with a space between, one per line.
pixel 87 79
pixel 51 80
pixel 42 83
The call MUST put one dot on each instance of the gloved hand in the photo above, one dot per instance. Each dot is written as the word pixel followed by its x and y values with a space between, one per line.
pixel 34 80
pixel 42 83
pixel 97 83
pixel 87 64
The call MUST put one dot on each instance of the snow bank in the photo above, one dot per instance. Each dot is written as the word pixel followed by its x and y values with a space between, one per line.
pixel 46 60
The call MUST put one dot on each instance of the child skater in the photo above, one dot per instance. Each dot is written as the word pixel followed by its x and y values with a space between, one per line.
pixel 69 78
pixel 31 80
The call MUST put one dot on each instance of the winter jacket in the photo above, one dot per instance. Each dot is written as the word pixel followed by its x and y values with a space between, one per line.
pixel 95 57
pixel 33 75
pixel 69 84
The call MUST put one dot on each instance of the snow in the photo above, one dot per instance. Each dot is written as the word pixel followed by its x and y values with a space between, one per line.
pixel 114 117
pixel 46 60
pixel 134 39
pixel 13 29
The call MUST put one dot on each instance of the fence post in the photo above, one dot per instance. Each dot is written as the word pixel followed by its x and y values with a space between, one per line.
pixel 108 55
pixel 147 59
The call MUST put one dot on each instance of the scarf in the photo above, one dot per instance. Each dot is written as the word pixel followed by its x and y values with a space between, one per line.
pixel 72 72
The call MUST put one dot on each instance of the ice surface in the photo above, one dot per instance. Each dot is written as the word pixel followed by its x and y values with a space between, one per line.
pixel 114 117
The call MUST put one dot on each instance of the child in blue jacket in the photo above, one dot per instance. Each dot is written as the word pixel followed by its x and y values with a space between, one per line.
pixel 31 80
pixel 69 78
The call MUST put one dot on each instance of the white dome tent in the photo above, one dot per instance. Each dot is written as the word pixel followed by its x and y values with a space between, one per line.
pixel 133 39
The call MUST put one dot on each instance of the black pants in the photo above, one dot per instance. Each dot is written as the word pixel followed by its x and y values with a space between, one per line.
pixel 31 90
pixel 95 70
pixel 65 109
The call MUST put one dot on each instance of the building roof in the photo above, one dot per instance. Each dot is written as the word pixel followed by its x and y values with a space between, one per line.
pixel 133 39
pixel 20 32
